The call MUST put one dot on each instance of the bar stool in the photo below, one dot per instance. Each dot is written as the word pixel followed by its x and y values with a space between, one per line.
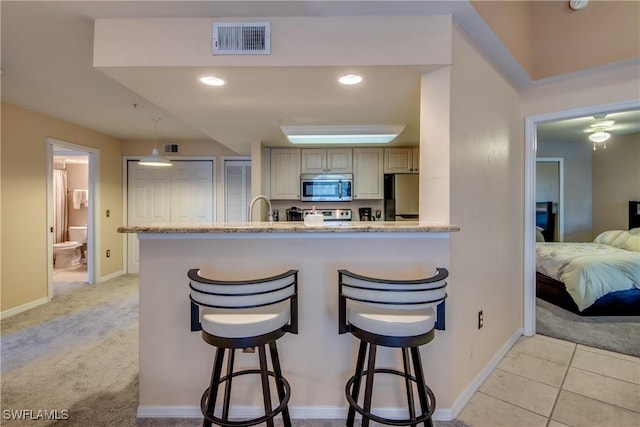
pixel 238 315
pixel 391 313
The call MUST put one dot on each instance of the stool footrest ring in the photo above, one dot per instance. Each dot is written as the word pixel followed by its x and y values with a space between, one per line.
pixel 253 421
pixel 431 404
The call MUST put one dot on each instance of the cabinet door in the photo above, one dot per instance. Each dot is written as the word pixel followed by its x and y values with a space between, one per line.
pixel 398 160
pixel 368 177
pixel 340 160
pixel 314 160
pixel 415 154
pixel 285 174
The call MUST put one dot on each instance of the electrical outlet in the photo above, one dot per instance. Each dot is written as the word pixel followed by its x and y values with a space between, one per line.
pixel 108 253
pixel 108 213
pixel 480 319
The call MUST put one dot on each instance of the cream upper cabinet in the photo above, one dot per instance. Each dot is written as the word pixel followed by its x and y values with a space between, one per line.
pixel 415 155
pixel 285 173
pixel 401 160
pixel 329 160
pixel 368 177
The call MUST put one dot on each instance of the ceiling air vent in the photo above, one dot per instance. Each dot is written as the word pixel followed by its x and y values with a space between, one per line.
pixel 171 148
pixel 241 38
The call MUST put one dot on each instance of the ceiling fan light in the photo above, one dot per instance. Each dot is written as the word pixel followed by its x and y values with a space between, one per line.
pixel 600 136
pixel 605 124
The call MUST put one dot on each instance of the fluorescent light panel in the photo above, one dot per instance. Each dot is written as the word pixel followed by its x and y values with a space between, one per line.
pixel 378 134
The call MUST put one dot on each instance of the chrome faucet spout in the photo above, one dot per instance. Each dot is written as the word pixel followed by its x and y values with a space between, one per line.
pixel 253 202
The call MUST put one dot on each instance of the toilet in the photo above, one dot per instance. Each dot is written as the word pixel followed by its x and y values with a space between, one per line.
pixel 69 254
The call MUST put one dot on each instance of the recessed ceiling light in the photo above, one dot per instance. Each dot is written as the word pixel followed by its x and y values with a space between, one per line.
pixel 350 79
pixel 211 81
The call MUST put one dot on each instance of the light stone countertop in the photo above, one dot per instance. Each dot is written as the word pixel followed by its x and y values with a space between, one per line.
pixel 294 227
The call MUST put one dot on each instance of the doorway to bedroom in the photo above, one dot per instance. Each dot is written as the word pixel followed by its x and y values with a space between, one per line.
pixel 591 202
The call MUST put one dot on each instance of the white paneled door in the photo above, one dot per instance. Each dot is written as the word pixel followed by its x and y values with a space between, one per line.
pixel 237 189
pixel 179 194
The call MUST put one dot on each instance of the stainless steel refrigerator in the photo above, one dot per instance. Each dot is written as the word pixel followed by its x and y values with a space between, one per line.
pixel 401 197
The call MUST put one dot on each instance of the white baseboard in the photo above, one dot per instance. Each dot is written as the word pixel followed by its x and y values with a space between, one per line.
pixel 296 412
pixel 110 276
pixel 337 412
pixel 467 394
pixel 24 307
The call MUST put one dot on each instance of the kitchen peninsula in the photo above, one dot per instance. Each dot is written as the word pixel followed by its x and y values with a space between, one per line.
pixel 175 363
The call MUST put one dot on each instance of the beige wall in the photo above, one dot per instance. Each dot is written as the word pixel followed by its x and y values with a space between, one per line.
pixel 187 42
pixel 487 203
pixel 616 181
pixel 24 196
pixel 549 39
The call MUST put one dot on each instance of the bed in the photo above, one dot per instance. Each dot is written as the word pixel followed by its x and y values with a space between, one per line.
pixel 601 278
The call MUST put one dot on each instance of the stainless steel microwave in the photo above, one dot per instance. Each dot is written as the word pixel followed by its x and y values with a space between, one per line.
pixel 326 188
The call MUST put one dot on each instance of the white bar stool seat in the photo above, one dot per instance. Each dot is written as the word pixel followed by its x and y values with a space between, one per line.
pixel 391 313
pixel 244 314
pixel 244 323
pixel 388 322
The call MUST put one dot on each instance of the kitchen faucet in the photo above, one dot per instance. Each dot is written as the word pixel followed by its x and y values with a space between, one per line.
pixel 253 202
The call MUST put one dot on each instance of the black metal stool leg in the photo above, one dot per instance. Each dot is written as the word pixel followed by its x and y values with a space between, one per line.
pixel 213 386
pixel 227 386
pixel 368 389
pixel 275 361
pixel 407 382
pixel 422 392
pixel 356 384
pixel 266 394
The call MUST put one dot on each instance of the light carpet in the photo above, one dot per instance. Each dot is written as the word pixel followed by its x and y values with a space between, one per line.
pixel 620 334
pixel 79 354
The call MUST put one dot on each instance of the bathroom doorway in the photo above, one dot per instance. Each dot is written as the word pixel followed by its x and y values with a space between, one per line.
pixel 70 205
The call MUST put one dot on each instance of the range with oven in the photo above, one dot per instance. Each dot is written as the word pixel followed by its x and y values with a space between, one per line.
pixel 334 216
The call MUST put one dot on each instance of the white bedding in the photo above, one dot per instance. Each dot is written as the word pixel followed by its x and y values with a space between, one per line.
pixel 589 270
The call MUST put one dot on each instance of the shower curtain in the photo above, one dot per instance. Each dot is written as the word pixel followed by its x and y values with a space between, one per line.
pixel 60 213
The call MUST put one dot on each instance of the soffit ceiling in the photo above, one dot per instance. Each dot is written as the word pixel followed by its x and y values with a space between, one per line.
pixel 47 53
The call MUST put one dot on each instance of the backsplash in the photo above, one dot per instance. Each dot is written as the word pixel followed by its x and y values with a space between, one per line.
pixel 283 205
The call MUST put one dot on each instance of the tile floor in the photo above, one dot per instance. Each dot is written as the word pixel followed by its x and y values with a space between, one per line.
pixel 547 382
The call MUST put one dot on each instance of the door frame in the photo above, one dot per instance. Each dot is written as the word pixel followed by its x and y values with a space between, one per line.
pixel 93 217
pixel 560 212
pixel 531 144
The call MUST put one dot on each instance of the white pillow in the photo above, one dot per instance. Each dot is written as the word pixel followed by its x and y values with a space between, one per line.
pixel 608 237
pixel 635 231
pixel 628 242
